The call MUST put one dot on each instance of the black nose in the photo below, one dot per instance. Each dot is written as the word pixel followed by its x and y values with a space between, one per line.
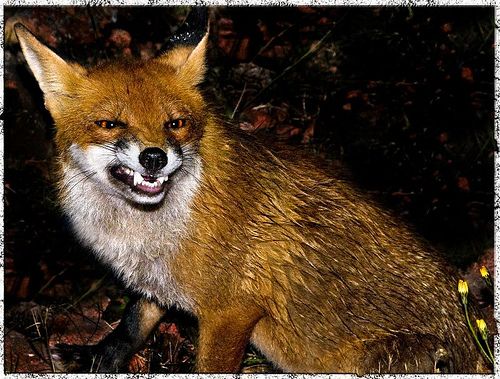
pixel 153 158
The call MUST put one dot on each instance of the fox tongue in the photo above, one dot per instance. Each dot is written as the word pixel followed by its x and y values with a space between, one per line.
pixel 149 189
pixel 148 184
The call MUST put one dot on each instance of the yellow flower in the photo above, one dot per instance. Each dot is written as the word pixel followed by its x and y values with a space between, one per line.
pixel 481 325
pixel 483 329
pixel 463 288
pixel 484 272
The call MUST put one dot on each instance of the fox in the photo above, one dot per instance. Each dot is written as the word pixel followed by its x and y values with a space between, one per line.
pixel 262 246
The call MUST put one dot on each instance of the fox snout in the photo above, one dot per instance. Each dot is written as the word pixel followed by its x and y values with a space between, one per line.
pixel 143 174
pixel 153 159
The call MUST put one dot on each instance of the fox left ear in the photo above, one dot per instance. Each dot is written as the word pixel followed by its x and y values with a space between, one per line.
pixel 55 76
pixel 188 47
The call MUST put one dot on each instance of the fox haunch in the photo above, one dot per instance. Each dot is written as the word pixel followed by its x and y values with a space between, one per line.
pixel 261 246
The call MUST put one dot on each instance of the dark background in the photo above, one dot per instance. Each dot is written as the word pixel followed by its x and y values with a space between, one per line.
pixel 403 97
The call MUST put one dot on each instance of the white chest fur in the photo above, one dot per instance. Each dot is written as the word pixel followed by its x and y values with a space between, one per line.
pixel 138 245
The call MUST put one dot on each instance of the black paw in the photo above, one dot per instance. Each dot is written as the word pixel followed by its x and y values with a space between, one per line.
pixel 104 357
pixel 75 358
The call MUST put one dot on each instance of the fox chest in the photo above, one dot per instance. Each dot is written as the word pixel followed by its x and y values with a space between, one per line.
pixel 138 250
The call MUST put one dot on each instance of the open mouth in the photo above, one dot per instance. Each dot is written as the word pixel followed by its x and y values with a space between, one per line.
pixel 144 184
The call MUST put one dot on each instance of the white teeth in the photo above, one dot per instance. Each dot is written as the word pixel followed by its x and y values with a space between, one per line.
pixel 137 178
pixel 159 181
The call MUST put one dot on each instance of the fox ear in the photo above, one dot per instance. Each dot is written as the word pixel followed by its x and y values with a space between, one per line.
pixel 188 47
pixel 189 62
pixel 54 75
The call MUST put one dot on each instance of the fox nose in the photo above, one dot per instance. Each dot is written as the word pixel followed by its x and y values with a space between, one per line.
pixel 153 158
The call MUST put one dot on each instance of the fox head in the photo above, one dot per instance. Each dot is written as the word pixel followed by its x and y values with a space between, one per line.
pixel 131 127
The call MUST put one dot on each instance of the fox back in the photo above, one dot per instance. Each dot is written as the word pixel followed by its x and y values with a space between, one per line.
pixel 260 246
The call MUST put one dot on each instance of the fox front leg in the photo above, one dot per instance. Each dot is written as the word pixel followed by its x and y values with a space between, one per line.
pixel 223 337
pixel 114 352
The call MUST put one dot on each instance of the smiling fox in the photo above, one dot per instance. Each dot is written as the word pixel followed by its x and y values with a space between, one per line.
pixel 261 246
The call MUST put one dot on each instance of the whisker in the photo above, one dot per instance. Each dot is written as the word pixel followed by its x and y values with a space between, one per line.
pixel 114 162
pixel 183 169
pixel 107 146
pixel 84 172
pixel 82 180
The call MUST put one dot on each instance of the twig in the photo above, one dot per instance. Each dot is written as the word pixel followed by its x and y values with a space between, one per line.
pixel 264 48
pixel 49 282
pixel 47 340
pixel 239 100
pixel 92 19
pixel 314 47
pixel 35 322
pixel 94 287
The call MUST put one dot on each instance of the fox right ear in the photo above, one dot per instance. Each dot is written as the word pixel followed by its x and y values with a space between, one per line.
pixel 53 74
pixel 187 47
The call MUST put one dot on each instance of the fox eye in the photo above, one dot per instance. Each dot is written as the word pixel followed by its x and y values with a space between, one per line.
pixel 176 124
pixel 106 124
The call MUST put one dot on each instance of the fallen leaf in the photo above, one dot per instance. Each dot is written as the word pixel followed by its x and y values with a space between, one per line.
pixel 467 74
pixel 463 183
